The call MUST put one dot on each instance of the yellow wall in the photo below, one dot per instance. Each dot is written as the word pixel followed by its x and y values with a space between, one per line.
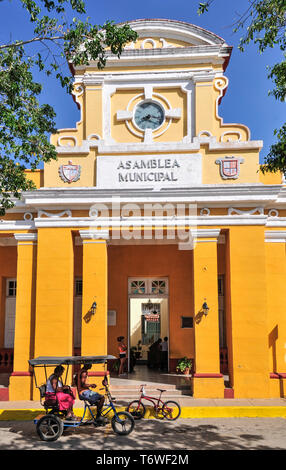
pixel 276 304
pixel 247 282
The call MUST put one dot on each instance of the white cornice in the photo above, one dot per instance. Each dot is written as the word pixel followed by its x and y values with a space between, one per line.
pixel 187 32
pixel 89 224
pixel 216 195
pixel 130 148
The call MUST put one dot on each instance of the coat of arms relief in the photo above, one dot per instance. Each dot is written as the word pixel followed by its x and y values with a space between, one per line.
pixel 70 173
pixel 229 167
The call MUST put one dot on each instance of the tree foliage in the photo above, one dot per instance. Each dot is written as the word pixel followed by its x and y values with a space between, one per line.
pixel 263 23
pixel 25 124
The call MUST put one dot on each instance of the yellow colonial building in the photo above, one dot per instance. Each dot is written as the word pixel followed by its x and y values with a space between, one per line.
pixel 154 221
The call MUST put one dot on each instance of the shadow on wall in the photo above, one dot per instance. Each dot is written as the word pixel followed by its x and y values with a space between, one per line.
pixel 272 338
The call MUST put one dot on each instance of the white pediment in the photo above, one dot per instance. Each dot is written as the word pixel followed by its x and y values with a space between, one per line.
pixel 177 30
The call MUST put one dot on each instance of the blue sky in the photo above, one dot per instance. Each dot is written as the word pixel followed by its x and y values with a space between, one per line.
pixel 246 101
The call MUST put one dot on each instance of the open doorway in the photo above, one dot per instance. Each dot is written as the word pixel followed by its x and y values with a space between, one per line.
pixel 148 322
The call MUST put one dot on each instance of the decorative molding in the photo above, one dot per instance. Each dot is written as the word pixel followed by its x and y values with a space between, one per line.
pixel 51 215
pixel 205 211
pixel 107 145
pixel 174 29
pixel 233 210
pixel 71 137
pixel 93 212
pixel 220 84
pixel 149 40
pixel 273 213
pixel 231 132
pixel 28 216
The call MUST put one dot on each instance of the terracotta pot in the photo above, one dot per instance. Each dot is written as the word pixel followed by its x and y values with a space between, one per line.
pixel 187 371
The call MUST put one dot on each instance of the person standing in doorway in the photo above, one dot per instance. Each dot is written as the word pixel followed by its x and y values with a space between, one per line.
pixel 122 348
pixel 164 354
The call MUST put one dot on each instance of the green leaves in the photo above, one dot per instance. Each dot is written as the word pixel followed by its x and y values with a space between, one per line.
pixel 25 125
pixel 12 182
pixel 203 7
pixel 276 158
pixel 264 24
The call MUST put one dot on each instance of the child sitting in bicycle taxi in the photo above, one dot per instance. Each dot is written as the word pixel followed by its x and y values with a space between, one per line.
pixel 56 391
pixel 84 392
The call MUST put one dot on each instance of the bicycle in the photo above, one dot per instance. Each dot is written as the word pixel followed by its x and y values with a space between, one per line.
pixel 51 425
pixel 169 409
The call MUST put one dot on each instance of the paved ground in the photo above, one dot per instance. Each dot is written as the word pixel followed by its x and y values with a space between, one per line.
pixel 185 434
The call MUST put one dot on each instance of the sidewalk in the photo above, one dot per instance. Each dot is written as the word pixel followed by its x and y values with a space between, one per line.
pixel 191 408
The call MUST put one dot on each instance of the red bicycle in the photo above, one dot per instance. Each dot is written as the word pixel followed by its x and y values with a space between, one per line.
pixel 169 409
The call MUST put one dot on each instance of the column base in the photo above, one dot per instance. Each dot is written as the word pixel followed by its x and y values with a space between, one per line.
pixel 20 386
pixel 208 386
pixel 277 385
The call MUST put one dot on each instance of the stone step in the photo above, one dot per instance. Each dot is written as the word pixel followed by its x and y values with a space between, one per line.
pixel 129 393
pixel 152 387
pixel 125 400
pixel 148 385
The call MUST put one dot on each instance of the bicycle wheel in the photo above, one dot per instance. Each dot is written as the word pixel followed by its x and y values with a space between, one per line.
pixel 50 428
pixel 136 409
pixel 171 410
pixel 122 423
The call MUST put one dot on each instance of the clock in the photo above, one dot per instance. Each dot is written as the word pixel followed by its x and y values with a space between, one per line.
pixel 148 115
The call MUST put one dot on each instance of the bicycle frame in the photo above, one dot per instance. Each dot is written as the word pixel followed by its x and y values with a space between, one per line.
pixel 104 412
pixel 156 401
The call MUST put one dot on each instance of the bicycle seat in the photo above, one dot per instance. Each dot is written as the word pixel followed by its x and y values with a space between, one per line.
pixel 160 390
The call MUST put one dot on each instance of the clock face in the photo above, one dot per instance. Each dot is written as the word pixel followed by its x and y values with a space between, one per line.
pixel 149 115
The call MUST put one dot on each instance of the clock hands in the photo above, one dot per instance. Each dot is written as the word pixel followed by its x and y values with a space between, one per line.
pixel 149 116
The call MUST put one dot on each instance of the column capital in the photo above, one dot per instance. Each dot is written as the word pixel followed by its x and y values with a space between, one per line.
pixel 205 235
pixel 26 237
pixel 94 235
pixel 275 236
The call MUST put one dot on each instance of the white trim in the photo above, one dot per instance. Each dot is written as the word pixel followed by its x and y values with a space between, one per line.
pixel 52 215
pixel 219 195
pixel 233 210
pixel 94 235
pixel 275 236
pixel 109 146
pixel 25 237
pixel 71 137
pixel 77 222
pixel 210 234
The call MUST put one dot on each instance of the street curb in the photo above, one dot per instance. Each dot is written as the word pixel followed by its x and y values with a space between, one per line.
pixel 186 412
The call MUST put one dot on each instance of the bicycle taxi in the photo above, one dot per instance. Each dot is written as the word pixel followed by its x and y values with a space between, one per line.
pixel 51 425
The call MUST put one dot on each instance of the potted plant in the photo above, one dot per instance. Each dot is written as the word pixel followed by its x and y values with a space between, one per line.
pixel 184 365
